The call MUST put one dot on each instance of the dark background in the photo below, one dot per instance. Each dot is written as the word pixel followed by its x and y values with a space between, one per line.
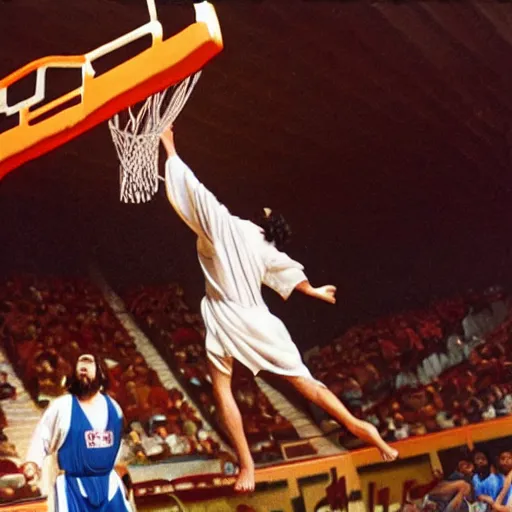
pixel 381 131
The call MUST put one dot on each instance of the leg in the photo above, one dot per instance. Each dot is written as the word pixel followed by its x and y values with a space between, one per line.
pixel 232 420
pixel 328 401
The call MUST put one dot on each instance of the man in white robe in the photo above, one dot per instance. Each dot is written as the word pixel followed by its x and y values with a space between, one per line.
pixel 83 429
pixel 237 258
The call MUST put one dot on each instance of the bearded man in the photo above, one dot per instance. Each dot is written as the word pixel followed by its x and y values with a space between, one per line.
pixel 83 429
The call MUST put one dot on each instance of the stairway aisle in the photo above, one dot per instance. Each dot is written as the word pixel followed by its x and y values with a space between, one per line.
pixel 300 421
pixel 146 348
pixel 22 414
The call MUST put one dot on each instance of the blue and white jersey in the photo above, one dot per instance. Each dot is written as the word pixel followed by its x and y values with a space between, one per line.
pixel 86 440
pixel 489 486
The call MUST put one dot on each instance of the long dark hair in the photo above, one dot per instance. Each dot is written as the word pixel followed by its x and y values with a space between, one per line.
pixel 276 229
pixel 100 382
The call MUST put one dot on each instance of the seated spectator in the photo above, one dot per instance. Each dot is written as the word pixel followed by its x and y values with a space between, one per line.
pixel 502 479
pixel 13 485
pixel 7 449
pixel 503 403
pixel 7 391
pixel 473 410
pixel 485 484
pixel 400 429
pixel 451 493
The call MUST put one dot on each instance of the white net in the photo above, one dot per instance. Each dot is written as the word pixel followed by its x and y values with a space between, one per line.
pixel 137 143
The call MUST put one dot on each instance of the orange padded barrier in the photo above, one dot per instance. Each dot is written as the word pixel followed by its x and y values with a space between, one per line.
pixel 32 506
pixel 347 463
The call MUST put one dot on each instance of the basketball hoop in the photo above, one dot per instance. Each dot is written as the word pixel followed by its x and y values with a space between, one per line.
pixel 137 143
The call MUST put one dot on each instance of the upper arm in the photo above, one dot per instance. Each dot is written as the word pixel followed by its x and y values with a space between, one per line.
pixel 45 433
pixel 193 202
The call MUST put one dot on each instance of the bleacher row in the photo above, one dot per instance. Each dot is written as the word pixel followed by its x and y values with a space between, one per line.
pixel 179 336
pixel 409 374
pixel 47 322
pixel 425 371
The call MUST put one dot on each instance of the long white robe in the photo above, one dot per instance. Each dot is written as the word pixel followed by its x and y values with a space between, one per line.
pixel 236 260
pixel 49 436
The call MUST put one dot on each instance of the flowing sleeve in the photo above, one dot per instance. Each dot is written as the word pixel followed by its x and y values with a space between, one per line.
pixel 283 273
pixel 50 431
pixel 193 202
pixel 124 455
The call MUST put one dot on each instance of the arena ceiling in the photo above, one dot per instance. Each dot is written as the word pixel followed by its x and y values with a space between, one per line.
pixel 381 130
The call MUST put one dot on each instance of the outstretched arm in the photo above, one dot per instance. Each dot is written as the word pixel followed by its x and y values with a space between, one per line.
pixel 326 293
pixel 193 202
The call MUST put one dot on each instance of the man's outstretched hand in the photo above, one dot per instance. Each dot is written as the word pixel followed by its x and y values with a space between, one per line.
pixel 167 138
pixel 326 293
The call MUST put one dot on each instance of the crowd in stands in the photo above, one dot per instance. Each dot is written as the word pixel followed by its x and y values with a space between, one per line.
pixel 480 480
pixel 46 323
pixel 13 485
pixel 425 371
pixel 179 334
pixel 409 374
pixel 413 373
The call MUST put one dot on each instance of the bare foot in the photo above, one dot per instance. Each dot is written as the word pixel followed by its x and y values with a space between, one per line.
pixel 389 454
pixel 245 480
